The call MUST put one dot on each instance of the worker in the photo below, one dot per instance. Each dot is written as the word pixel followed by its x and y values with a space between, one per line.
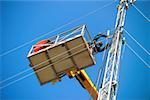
pixel 98 47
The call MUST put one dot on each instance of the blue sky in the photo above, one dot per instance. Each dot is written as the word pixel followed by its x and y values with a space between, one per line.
pixel 26 20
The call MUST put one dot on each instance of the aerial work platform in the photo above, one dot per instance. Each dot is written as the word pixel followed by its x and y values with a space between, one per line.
pixel 64 52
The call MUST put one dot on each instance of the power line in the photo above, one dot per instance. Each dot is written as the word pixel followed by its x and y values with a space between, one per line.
pixel 97 81
pixel 103 60
pixel 39 70
pixel 136 41
pixel 68 23
pixel 24 71
pixel 43 36
pixel 138 55
pixel 141 13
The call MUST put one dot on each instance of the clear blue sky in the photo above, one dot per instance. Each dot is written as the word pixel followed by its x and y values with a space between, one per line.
pixel 24 21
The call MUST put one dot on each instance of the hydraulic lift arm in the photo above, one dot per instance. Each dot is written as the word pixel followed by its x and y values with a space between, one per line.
pixel 85 82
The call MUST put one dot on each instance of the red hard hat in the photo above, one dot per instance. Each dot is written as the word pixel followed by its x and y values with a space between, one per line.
pixel 37 48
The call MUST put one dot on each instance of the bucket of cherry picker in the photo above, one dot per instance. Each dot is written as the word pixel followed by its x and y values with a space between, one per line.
pixel 52 58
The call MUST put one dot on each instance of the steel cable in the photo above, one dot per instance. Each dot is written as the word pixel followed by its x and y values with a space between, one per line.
pixel 68 23
pixel 141 13
pixel 39 70
pixel 24 71
pixel 136 41
pixel 147 65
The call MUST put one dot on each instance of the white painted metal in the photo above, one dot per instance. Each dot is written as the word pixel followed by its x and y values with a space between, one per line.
pixel 110 79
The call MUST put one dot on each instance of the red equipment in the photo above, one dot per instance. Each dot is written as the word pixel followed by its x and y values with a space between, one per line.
pixel 40 45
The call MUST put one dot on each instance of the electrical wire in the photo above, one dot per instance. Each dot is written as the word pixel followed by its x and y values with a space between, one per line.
pixel 39 70
pixel 96 83
pixel 136 41
pixel 100 69
pixel 24 71
pixel 141 13
pixel 39 38
pixel 68 23
pixel 34 40
pixel 147 65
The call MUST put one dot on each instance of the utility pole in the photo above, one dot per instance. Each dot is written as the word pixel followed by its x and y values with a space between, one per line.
pixel 110 79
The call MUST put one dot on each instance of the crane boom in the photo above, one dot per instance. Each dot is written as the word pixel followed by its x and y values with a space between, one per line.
pixel 85 82
pixel 110 79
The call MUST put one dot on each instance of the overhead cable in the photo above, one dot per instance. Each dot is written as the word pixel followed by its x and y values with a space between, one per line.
pixel 68 23
pixel 141 13
pixel 147 65
pixel 97 81
pixel 39 70
pixel 24 71
pixel 136 41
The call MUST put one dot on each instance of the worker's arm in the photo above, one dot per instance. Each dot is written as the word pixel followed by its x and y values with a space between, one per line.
pixel 85 81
